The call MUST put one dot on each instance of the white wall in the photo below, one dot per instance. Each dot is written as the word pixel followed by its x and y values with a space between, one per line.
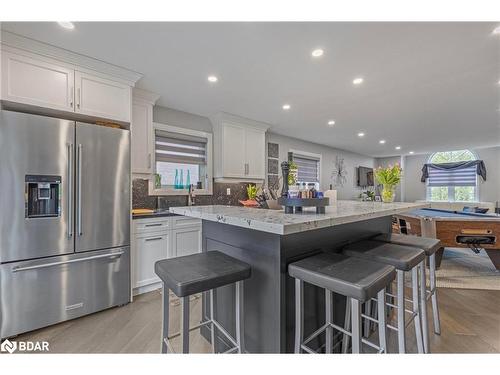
pixel 181 119
pixel 489 190
pixel 328 154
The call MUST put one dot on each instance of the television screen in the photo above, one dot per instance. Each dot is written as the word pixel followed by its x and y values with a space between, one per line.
pixel 365 176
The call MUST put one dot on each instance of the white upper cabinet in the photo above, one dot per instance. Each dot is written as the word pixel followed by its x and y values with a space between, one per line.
pixel 45 79
pixel 239 148
pixel 36 82
pixel 100 97
pixel 255 151
pixel 233 150
pixel 141 128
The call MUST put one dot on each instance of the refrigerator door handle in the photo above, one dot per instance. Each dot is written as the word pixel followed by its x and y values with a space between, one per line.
pixel 45 265
pixel 70 190
pixel 79 192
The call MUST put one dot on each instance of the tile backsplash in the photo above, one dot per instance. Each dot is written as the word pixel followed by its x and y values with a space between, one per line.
pixel 141 199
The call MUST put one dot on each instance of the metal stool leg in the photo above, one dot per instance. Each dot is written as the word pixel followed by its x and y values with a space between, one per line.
pixel 435 309
pixel 423 307
pixel 185 324
pixel 401 310
pixel 213 314
pixel 381 317
pixel 165 314
pixel 417 320
pixel 240 318
pixel 366 323
pixel 299 312
pixel 329 319
pixel 356 326
pixel 347 326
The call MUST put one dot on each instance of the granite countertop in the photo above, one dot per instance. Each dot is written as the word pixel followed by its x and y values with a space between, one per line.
pixel 276 221
pixel 157 213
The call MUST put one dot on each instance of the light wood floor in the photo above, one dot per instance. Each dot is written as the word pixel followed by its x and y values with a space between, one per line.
pixel 470 323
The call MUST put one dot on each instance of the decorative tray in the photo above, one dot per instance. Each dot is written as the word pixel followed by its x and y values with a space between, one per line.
pixel 294 205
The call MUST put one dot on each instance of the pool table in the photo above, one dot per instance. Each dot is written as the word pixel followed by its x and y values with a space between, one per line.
pixel 454 229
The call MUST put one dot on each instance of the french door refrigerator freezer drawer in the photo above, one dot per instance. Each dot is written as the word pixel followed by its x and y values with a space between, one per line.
pixel 39 293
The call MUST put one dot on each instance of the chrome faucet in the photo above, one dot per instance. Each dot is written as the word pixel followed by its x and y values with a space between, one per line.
pixel 191 195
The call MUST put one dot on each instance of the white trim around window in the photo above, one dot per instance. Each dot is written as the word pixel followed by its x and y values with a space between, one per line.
pixel 209 160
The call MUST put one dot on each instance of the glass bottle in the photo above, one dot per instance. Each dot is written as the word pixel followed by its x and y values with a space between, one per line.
pixel 181 180
pixel 176 181
pixel 188 179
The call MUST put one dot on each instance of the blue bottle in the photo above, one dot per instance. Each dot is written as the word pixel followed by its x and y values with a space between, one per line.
pixel 176 181
pixel 181 181
pixel 188 180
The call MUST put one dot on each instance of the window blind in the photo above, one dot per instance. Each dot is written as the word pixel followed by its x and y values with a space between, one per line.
pixel 448 177
pixel 308 168
pixel 180 148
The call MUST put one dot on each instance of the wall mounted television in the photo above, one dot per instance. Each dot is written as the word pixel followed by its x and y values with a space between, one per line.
pixel 365 177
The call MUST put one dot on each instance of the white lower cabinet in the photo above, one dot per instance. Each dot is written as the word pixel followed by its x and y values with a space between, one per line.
pixel 151 248
pixel 160 238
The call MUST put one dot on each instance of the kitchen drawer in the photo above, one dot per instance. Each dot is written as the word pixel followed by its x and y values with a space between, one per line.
pixel 143 226
pixel 183 221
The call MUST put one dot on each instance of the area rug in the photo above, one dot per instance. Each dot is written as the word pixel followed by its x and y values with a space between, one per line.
pixel 462 269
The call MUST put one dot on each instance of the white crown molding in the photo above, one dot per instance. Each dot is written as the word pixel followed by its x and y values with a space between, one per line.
pixel 66 56
pixel 145 96
pixel 228 117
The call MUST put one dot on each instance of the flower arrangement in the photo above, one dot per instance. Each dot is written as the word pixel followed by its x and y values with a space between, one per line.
pixel 389 177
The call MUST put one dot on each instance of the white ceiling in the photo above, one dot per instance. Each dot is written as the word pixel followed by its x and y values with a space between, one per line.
pixel 427 86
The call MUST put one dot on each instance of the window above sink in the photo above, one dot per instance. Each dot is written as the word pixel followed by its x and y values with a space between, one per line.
pixel 181 157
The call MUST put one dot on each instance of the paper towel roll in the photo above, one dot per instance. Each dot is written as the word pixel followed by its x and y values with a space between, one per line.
pixel 332 194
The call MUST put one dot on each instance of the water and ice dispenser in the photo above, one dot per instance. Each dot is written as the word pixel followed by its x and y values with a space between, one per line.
pixel 42 196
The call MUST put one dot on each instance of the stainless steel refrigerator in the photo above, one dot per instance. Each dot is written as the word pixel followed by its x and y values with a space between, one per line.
pixel 64 220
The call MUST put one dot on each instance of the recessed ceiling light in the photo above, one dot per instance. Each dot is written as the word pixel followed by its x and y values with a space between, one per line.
pixel 411 152
pixel 317 52
pixel 212 79
pixel 496 31
pixel 331 122
pixel 286 107
pixel 382 141
pixel 361 134
pixel 67 25
pixel 357 81
pixel 398 147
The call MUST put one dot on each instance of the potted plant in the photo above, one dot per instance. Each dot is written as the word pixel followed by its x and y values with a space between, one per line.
pixel 388 177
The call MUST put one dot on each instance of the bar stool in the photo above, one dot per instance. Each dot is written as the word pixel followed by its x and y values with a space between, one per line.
pixel 357 279
pixel 430 247
pixel 198 273
pixel 404 259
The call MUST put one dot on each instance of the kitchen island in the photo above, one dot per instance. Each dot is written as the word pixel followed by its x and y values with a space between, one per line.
pixel 269 240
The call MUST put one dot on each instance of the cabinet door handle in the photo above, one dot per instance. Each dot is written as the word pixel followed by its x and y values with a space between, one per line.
pixel 78 94
pixel 71 96
pixel 154 225
pixel 154 239
pixel 149 160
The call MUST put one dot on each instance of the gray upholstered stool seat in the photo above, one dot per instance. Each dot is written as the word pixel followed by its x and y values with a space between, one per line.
pixel 356 278
pixel 429 245
pixel 401 257
pixel 197 273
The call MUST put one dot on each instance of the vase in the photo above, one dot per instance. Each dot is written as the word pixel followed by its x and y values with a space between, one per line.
pixel 388 193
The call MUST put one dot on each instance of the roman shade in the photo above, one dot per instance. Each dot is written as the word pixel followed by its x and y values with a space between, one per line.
pixel 180 148
pixel 453 174
pixel 308 168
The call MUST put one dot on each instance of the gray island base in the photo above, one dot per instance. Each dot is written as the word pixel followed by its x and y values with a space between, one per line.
pixel 269 240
